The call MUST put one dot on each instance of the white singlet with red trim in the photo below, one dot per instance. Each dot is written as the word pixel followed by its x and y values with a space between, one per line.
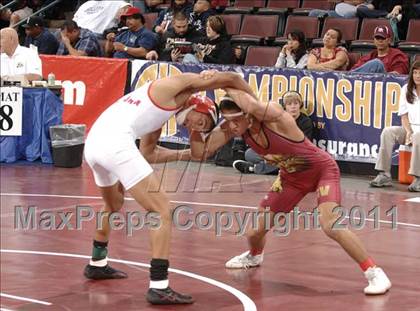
pixel 135 113
pixel 110 148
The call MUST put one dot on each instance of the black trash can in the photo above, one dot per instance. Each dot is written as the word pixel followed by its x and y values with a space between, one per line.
pixel 68 141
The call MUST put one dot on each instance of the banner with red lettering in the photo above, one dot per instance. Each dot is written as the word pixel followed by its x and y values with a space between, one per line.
pixel 90 84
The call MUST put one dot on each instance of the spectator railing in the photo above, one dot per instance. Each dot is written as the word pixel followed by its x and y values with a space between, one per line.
pixel 37 12
pixel 7 5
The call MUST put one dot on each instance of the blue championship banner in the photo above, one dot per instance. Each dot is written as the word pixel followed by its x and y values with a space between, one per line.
pixel 349 110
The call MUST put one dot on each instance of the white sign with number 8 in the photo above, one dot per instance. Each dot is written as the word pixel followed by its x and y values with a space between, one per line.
pixel 11 111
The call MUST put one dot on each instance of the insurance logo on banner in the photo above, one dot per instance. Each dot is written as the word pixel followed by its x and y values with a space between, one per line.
pixel 11 111
pixel 349 110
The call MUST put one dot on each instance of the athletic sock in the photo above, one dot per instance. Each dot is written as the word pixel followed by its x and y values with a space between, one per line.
pixel 159 273
pixel 256 251
pixel 368 263
pixel 99 254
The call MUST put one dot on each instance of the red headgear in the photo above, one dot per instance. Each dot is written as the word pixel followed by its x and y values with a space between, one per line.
pixel 201 104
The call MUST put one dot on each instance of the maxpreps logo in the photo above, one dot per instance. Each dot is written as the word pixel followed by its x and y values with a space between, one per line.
pixel 74 93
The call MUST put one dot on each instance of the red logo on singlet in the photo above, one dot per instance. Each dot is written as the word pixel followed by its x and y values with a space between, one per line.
pixel 131 101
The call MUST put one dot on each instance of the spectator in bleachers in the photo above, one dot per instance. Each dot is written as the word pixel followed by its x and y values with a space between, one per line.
pixel 380 8
pixel 97 16
pixel 416 7
pixel 408 134
pixel 384 58
pixel 294 53
pixel 198 17
pixel 330 56
pixel 180 32
pixel 346 9
pixel 397 11
pixel 78 41
pixel 164 20
pixel 410 10
pixel 135 42
pixel 23 11
pixel 240 54
pixel 217 48
pixel 37 35
pixel 151 6
pixel 5 17
pixel 18 62
pixel 254 163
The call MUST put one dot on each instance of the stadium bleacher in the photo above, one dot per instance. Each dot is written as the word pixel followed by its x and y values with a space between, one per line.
pixel 266 23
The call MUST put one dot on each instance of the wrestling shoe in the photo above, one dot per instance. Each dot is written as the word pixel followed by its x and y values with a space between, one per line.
pixel 245 261
pixel 378 281
pixel 103 273
pixel 167 296
pixel 243 166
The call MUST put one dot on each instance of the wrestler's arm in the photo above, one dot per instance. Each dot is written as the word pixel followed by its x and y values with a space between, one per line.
pixel 203 149
pixel 217 79
pixel 272 114
pixel 262 112
pixel 164 91
pixel 154 153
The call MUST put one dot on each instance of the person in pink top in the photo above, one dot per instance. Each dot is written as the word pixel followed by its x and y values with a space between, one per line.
pixel 384 59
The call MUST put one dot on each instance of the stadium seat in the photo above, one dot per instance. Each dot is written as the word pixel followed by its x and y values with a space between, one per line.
pixel 220 3
pixel 256 28
pixel 353 59
pixel 413 33
pixel 280 8
pixel 348 27
pixel 276 6
pixel 308 25
pixel 262 56
pixel 308 5
pixel 412 43
pixel 150 19
pixel 233 23
pixel 365 42
pixel 244 6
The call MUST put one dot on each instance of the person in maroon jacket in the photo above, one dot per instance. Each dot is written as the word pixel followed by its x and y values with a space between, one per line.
pixel 384 59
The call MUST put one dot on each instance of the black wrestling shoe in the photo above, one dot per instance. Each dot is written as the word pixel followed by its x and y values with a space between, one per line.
pixel 167 297
pixel 243 166
pixel 103 273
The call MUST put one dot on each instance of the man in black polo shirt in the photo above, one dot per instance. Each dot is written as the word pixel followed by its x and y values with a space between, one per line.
pixel 170 41
pixel 37 35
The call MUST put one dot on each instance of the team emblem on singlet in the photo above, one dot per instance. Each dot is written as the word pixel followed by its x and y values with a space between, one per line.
pixel 323 191
pixel 289 163
pixel 277 186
